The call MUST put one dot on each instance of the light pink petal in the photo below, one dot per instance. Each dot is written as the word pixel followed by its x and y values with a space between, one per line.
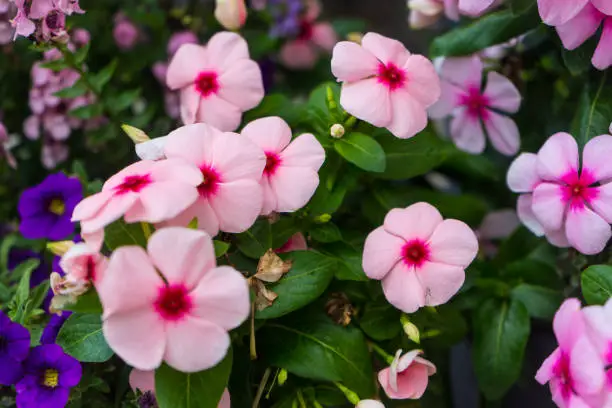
pixel 293 187
pixel 502 93
pixel 568 324
pixel 467 133
pixel 191 143
pixel 558 157
pixel 368 403
pixel 603 5
pixel 91 205
pixel 523 173
pixel 190 104
pixel 182 255
pixel 440 281
pixel 503 133
pixel 419 20
pixel 176 171
pixel 202 212
pixel 351 62
pixel 408 116
pixel 418 221
pixel 602 202
pixel 586 231
pixel 525 213
pixel 242 84
pixel 403 289
pixel 271 134
pixel 423 82
pixel 448 101
pixel 237 205
pixel 596 157
pixel 385 49
pixel 162 201
pixel 324 36
pixel 547 369
pixel 152 149
pixel 237 158
pixel 558 238
pixel 580 28
pixel 299 54
pixel 115 208
pixel 602 59
pixel 463 72
pixel 498 224
pixel 138 168
pixel 367 100
pixel 599 325
pixel 187 63
pixel 549 206
pixel 142 380
pixel 219 113
pixel 453 243
pixel 555 12
pixel 195 345
pixel 304 151
pixel 474 8
pixel 222 297
pixel 225 49
pixel 410 384
pixel 270 203
pixel 225 401
pixel 382 251
pixel 451 9
pixel 587 368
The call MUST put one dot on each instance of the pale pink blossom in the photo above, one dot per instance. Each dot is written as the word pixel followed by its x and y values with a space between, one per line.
pixel 231 14
pixel 474 110
pixel 407 377
pixel 83 264
pixel 290 176
pixel 171 303
pixel 425 13
pixel 419 257
pixel 370 404
pixel 384 84
pixel 218 81
pixel 598 321
pixel 145 191
pixel 230 197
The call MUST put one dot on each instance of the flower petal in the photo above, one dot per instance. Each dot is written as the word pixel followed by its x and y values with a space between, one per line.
pixel 299 54
pixel 603 5
pixel 304 151
pixel 580 28
pixel 190 99
pixel 187 63
pixel 381 252
pixel 501 93
pixel 523 173
pixel 242 84
pixel 237 158
pixel 367 100
pixel 602 201
pixel 202 212
pixel 568 324
pixel 558 157
pixel 587 368
pixel 586 231
pixel 547 370
pixel 525 213
pixel 115 208
pixel 408 116
pixel 237 205
pixel 503 133
pixel 549 206
pixel 440 281
pixel 162 201
pixel 191 143
pixel 351 62
pixel 271 134
pixel 602 59
pixel 293 187
pixel 385 49
pixel 225 49
pixel 324 35
pixel 219 113
pixel 418 221
pixel 423 82
pixel 596 157
pixel 453 243
pixel 89 206
pixel 555 12
pixel 463 72
pixel 474 8
pixel 448 102
pixel 467 133
pixel 403 289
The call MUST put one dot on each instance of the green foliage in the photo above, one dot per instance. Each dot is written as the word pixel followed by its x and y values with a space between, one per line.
pixel 363 151
pixel 120 234
pixel 81 337
pixel 597 284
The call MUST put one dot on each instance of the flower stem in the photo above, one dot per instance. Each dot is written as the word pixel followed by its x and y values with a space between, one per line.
pixel 146 229
pixel 301 400
pixel 261 388
pixel 253 345
pixel 348 393
pixel 386 356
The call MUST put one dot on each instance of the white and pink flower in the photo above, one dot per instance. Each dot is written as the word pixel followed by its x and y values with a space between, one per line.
pixel 407 377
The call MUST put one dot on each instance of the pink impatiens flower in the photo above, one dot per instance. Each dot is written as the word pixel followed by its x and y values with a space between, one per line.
pixel 290 176
pixel 217 82
pixel 383 84
pixel 419 257
pixel 171 303
pixel 144 191
pixel 230 197
pixel 407 377
pixel 474 110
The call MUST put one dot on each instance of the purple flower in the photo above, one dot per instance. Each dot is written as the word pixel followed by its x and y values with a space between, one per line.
pixel 14 347
pixel 49 375
pixel 49 335
pixel 286 14
pixel 46 209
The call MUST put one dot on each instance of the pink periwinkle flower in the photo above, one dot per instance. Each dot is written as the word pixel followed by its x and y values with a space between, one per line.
pixel 6 28
pixel 598 321
pixel 230 165
pixel 144 191
pixel 171 302
pixel 231 14
pixel 217 82
pixel 575 370
pixel 290 176
pixel 125 33
pixel 179 38
pixel 474 109
pixel 419 257
pixel 425 13
pixel 407 377
pixel 496 226
pixel 83 264
pixel 383 84
pixel 53 153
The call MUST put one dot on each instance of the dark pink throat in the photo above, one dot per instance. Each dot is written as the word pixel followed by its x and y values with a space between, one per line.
pixel 476 103
pixel 391 75
pixel 207 83
pixel 134 184
pixel 563 374
pixel 210 185
pixel 273 160
pixel 306 30
pixel 578 190
pixel 415 253
pixel 173 302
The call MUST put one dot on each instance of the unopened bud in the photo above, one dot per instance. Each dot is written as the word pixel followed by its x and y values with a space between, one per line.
pixel 137 135
pixel 349 394
pixel 337 131
pixel 282 376
pixel 322 219
pixel 354 37
pixel 59 248
pixel 410 329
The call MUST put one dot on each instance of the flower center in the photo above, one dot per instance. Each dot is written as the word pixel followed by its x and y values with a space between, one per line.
pixel 272 162
pixel 476 103
pixel 133 184
pixel 206 83
pixel 562 372
pixel 173 302
pixel 306 30
pixel 57 206
pixel 577 191
pixel 415 252
pixel 50 378
pixel 3 343
pixel 210 185
pixel 90 268
pixel 392 76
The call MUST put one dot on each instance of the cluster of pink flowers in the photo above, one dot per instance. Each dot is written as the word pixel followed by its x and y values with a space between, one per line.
pixel 579 370
pixel 563 197
pixel 45 19
pixel 6 28
pixel 424 13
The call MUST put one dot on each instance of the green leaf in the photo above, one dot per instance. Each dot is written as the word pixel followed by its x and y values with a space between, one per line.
pixel 578 61
pixel 380 320
pixel 220 248
pixel 81 54
pixel 78 89
pixel 493 29
pixel 174 389
pixel 124 100
pixel 327 232
pixel 308 278
pixel 501 331
pixel 310 345
pixel 345 26
pixel 597 284
pixel 101 78
pixel 593 113
pixel 541 302
pixel 120 234
pixel 520 6
pixel 255 241
pixel 88 302
pixel 81 337
pixel 349 265
pixel 20 303
pixel 274 105
pixel 87 111
pixel 55 65
pixel 363 151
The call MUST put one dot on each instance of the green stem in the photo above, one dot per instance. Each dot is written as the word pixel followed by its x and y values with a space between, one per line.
pixel 386 356
pixel 348 393
pixel 262 386
pixel 349 123
pixel 146 229
pixel 301 399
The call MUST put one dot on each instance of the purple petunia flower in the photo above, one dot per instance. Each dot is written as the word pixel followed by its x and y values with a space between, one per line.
pixel 14 348
pixel 46 209
pixel 51 330
pixel 49 375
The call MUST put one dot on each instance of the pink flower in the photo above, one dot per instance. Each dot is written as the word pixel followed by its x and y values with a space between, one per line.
pixel 370 404
pixel 171 303
pixel 217 82
pixel 419 257
pixel 231 14
pixel 470 108
pixel 407 377
pixel 230 197
pixel 384 84
pixel 83 264
pixel 290 175
pixel 574 370
pixel 496 226
pixel 424 13
pixel 144 191
pixel 178 39
pixel 125 33
pixel 598 321
pixel 297 242
pixel 53 153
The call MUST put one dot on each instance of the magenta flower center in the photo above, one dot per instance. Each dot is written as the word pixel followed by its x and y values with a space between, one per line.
pixel 564 375
pixel 577 191
pixel 391 75
pixel 415 253
pixel 134 183
pixel 306 30
pixel 272 162
pixel 173 302
pixel 207 83
pixel 476 103
pixel 210 185
pixel 90 268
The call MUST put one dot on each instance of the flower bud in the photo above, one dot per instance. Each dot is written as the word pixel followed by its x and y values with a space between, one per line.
pixel 370 404
pixel 410 329
pixel 137 135
pixel 282 376
pixel 231 14
pixel 354 37
pixel 59 248
pixel 337 131
pixel 322 219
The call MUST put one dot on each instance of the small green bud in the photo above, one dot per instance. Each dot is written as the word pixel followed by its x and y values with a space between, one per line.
pixel 322 219
pixel 337 131
pixel 137 135
pixel 410 329
pixel 282 376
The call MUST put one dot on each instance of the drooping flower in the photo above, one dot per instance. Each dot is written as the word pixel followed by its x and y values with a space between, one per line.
pixel 230 197
pixel 385 85
pixel 474 109
pixel 575 370
pixel 407 377
pixel 49 374
pixel 217 82
pixel 144 191
pixel 419 257
pixel 231 14
pixel 290 176
pixel 181 319
pixel 45 209
pixel 83 264
pixel 14 348
pixel 51 330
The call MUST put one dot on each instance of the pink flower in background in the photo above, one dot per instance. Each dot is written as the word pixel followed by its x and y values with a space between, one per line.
pixel 419 257
pixel 218 82
pixel 496 226
pixel 290 176
pixel 231 14
pixel 179 38
pixel 383 84
pixel 5 151
pixel 230 197
pixel 46 19
pixel 125 32
pixel 144 191
pixel 6 28
pixel 83 264
pixel 575 370
pixel 425 13
pixel 598 321
pixel 297 242
pixel 474 110
pixel 182 319
pixel 407 377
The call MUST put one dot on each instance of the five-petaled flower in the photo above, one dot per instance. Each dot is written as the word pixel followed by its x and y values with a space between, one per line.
pixel 407 377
